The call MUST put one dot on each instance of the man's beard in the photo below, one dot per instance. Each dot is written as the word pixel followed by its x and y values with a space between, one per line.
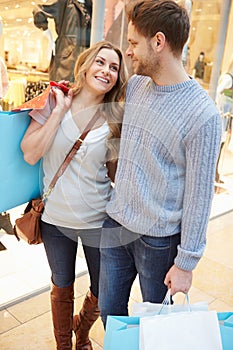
pixel 148 65
pixel 144 68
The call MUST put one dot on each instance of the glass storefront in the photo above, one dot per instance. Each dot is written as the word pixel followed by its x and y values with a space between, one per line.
pixel 34 47
pixel 28 58
pixel 205 22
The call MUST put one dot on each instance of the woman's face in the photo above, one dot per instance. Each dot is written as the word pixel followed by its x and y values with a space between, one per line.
pixel 103 73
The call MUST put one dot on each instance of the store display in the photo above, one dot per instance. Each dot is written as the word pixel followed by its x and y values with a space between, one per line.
pixel 73 28
pixel 40 100
pixel 34 89
pixel 15 94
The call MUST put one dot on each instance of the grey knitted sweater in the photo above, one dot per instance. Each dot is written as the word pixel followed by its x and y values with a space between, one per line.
pixel 165 176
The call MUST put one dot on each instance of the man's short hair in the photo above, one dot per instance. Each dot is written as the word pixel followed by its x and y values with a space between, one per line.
pixel 166 16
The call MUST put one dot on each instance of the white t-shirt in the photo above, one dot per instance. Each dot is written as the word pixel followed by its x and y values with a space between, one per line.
pixel 80 195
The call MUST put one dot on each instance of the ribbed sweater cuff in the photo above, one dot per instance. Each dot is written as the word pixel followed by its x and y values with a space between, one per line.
pixel 187 260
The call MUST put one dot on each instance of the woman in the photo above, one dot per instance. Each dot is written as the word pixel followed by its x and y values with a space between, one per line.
pixel 76 206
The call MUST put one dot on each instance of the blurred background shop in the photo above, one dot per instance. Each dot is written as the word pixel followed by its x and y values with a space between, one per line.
pixel 27 52
pixel 33 48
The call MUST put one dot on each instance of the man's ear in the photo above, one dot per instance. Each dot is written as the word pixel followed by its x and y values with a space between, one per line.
pixel 158 41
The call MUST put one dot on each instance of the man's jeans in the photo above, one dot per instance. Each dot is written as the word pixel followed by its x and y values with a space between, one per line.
pixel 124 254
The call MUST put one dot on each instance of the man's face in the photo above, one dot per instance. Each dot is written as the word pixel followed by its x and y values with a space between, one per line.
pixel 141 52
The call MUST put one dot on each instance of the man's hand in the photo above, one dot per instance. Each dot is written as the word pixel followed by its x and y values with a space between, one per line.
pixel 178 280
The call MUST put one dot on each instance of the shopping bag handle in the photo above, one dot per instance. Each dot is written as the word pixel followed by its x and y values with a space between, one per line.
pixel 167 300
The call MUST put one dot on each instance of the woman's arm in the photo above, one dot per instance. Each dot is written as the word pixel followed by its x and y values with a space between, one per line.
pixel 111 166
pixel 38 138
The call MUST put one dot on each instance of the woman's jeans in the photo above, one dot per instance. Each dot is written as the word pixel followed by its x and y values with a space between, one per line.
pixel 124 254
pixel 61 246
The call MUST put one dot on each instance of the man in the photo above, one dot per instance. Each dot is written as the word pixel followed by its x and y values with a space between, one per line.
pixel 160 206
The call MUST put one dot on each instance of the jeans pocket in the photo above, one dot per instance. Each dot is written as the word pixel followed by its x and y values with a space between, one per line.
pixel 110 223
pixel 156 242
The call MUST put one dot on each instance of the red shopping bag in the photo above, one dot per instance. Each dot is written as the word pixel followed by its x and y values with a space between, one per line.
pixel 39 102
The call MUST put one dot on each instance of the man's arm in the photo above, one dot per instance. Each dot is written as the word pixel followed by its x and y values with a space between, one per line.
pixel 201 157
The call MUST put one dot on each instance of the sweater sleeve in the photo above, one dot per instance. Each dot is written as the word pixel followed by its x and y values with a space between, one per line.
pixel 201 157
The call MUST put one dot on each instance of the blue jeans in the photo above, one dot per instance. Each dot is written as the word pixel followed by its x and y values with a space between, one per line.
pixel 124 254
pixel 61 246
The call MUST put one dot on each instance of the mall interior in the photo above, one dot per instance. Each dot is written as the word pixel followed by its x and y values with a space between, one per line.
pixel 25 315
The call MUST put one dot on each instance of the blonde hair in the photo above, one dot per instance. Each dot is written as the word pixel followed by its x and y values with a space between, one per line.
pixel 112 107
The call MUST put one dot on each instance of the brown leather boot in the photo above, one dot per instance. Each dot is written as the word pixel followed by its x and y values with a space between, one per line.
pixel 62 305
pixel 83 322
pixel 5 223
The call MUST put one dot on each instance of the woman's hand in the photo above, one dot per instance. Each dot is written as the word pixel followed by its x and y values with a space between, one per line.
pixel 38 138
pixel 62 101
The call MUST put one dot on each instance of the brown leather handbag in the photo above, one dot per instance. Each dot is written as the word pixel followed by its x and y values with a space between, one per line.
pixel 27 226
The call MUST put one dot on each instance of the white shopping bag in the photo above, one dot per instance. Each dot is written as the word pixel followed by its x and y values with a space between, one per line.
pixel 151 309
pixel 197 330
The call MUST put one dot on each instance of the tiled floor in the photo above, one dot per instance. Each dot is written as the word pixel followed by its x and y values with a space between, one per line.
pixel 22 263
pixel 25 317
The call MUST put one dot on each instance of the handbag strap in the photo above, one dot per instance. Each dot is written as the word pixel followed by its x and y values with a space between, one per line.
pixel 70 155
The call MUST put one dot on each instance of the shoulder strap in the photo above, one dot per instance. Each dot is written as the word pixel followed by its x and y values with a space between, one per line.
pixel 70 155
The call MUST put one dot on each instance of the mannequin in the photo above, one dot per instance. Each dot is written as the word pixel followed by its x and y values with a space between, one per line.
pixel 224 102
pixel 73 25
pixel 225 82
pixel 199 67
pixel 186 50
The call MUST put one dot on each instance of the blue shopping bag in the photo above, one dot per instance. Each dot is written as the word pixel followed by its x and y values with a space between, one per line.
pixel 226 329
pixel 19 181
pixel 122 332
